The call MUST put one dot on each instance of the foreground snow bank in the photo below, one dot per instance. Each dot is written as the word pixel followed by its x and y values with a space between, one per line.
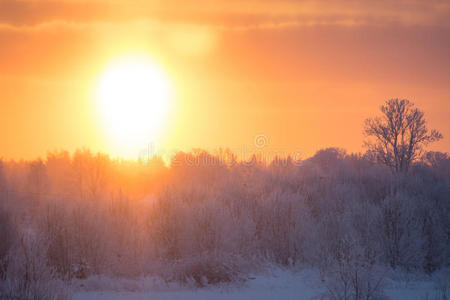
pixel 274 284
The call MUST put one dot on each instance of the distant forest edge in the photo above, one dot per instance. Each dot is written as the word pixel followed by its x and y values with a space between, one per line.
pixel 356 218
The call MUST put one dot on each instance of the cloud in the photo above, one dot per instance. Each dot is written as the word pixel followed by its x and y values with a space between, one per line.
pixel 232 14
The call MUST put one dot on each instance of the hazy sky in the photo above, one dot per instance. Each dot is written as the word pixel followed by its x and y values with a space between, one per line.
pixel 303 73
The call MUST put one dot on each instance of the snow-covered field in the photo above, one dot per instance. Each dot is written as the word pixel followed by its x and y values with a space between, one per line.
pixel 275 284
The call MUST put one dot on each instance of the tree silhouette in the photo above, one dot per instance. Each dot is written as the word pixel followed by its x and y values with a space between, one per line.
pixel 400 134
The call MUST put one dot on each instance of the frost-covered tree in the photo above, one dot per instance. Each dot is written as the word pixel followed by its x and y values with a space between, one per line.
pixel 400 134
pixel 205 220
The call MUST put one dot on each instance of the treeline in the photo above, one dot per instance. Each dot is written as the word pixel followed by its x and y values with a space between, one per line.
pixel 208 219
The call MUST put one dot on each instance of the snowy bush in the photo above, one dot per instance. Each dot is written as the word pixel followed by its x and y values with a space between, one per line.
pixel 7 236
pixel 204 269
pixel 352 275
pixel 28 275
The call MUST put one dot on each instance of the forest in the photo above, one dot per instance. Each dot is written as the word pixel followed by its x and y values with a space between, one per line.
pixel 213 218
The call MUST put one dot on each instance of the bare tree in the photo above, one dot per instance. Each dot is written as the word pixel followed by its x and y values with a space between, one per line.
pixel 400 134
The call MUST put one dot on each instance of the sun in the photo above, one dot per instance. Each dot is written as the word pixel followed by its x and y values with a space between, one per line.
pixel 134 99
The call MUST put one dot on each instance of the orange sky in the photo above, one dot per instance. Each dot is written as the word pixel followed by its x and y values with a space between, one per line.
pixel 303 73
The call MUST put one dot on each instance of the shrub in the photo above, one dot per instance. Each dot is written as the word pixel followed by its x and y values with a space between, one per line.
pixel 202 270
pixel 28 275
pixel 7 235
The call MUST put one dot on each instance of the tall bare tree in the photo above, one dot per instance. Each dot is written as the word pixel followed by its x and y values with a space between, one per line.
pixel 400 134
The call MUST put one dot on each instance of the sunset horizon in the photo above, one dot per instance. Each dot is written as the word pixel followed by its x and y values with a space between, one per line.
pixel 240 149
pixel 304 74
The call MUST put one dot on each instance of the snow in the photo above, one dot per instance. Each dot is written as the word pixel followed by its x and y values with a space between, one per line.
pixel 275 284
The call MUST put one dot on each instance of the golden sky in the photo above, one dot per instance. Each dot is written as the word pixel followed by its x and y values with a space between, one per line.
pixel 303 73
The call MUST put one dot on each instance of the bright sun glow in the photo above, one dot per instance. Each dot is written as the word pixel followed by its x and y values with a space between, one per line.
pixel 134 98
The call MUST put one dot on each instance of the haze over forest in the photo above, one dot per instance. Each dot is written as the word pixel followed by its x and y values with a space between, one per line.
pixel 245 149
